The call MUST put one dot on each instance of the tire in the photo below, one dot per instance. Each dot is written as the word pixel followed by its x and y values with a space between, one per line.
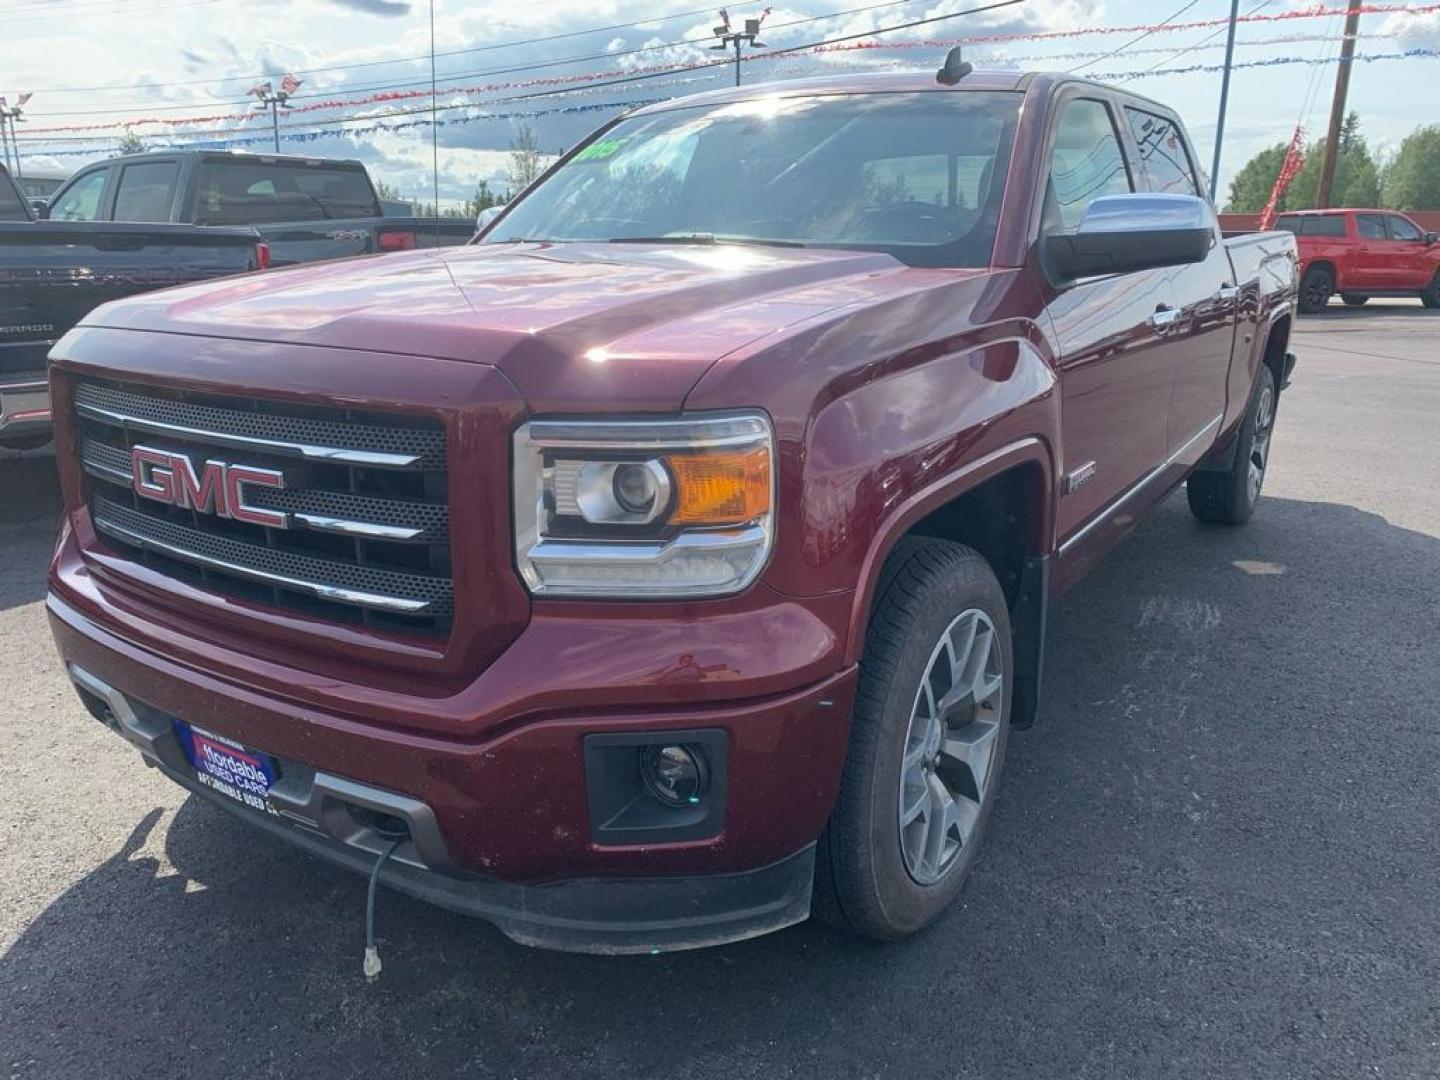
pixel 1229 498
pixel 1353 299
pixel 1315 289
pixel 1431 296
pixel 876 874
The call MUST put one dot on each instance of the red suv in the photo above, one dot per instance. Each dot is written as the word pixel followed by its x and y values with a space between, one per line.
pixel 1363 253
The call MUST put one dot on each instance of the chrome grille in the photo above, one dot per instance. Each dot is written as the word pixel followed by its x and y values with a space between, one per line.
pixel 368 525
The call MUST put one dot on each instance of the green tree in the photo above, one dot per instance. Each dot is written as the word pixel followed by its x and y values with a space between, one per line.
pixel 1412 180
pixel 484 199
pixel 1250 190
pixel 1357 178
pixel 130 143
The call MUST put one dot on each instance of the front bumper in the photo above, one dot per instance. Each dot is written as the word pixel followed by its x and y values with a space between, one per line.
pixel 316 812
pixel 500 828
pixel 24 408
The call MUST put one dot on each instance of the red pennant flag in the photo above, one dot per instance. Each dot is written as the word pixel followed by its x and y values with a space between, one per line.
pixel 1294 159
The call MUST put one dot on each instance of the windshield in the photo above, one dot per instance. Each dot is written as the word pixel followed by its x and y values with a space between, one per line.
pixel 918 175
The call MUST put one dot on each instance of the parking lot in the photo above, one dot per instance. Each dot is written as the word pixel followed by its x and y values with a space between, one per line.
pixel 1216 855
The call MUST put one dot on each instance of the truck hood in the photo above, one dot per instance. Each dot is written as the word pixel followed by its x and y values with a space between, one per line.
pixel 574 326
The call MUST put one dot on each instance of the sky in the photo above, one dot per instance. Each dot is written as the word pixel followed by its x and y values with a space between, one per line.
pixel 122 62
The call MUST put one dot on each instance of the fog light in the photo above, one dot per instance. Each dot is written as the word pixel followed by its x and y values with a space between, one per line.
pixel 676 775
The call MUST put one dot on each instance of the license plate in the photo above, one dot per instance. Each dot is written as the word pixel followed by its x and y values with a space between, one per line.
pixel 226 767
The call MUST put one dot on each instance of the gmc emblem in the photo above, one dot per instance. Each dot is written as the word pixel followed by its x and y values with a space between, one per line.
pixel 217 489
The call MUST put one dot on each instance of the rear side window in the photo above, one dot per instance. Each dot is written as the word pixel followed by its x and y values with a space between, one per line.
pixel 1162 150
pixel 145 191
pixel 1288 224
pixel 1370 227
pixel 1322 225
pixel 260 192
pixel 11 208
pixel 1085 164
pixel 81 200
pixel 1402 228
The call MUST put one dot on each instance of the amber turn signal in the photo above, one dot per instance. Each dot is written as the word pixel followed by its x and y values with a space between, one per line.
pixel 724 488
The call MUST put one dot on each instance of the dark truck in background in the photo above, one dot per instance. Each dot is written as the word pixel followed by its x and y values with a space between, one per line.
pixel 305 209
pixel 53 272
pixel 686 544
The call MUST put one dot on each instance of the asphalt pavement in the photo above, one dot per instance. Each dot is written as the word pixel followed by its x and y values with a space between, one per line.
pixel 1218 855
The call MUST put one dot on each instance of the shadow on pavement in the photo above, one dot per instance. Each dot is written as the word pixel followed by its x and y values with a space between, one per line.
pixel 1216 856
pixel 30 506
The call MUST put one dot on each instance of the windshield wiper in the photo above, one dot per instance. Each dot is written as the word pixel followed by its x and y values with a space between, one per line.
pixel 709 239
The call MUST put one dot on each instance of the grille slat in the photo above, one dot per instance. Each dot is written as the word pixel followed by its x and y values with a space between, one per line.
pixel 367 538
pixel 340 441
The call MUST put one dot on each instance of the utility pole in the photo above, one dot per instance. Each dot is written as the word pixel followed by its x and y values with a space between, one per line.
pixel 1337 107
pixel 1224 100
pixel 735 38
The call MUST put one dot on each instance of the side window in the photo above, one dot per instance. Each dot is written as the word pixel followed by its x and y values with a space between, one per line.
pixel 145 192
pixel 1086 163
pixel 1370 226
pixel 1403 228
pixel 1323 225
pixel 81 200
pixel 1167 164
pixel 1289 224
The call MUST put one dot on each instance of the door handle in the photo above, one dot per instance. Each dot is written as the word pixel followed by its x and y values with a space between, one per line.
pixel 1165 317
pixel 1227 292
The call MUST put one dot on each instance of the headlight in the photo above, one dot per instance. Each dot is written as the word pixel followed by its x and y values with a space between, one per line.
pixel 644 508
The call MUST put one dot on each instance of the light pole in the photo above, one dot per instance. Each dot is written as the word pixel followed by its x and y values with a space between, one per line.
pixel 735 38
pixel 268 98
pixel 11 115
pixel 1224 100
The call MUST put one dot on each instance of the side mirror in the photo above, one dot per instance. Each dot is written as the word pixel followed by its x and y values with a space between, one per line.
pixel 1120 234
pixel 1432 238
pixel 41 209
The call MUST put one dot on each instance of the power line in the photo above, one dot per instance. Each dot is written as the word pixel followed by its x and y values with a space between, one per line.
pixel 627 79
pixel 1201 42
pixel 1134 41
pixel 536 66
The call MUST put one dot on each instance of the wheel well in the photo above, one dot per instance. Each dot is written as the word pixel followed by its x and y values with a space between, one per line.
pixel 1001 519
pixel 1276 346
pixel 1324 264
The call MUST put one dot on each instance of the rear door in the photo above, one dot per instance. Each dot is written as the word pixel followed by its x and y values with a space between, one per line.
pixel 1199 344
pixel 145 191
pixel 1115 379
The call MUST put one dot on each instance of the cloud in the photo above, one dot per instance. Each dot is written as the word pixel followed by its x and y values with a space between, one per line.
pixel 389 9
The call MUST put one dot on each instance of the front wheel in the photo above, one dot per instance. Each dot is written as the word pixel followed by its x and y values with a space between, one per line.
pixel 1354 299
pixel 1229 498
pixel 1431 296
pixel 927 741
pixel 1315 289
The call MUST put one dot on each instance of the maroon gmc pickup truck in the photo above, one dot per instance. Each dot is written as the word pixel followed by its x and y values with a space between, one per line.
pixel 674 560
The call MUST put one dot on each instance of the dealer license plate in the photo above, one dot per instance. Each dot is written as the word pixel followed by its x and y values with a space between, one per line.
pixel 226 767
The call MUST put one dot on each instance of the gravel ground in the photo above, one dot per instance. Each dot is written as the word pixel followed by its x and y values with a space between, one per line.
pixel 1216 856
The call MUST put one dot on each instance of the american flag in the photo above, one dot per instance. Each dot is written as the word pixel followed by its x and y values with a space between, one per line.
pixel 290 84
pixel 23 98
pixel 259 89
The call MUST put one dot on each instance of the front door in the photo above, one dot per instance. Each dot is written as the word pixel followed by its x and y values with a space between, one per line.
pixel 1375 255
pixel 1109 331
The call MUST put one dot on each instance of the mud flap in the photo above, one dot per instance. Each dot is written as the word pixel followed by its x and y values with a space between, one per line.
pixel 1028 618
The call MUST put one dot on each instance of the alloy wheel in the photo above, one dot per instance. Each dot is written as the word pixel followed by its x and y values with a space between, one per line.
pixel 950 746
pixel 1260 445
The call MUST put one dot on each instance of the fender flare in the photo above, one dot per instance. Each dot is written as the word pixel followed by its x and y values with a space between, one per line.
pixel 1031 450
